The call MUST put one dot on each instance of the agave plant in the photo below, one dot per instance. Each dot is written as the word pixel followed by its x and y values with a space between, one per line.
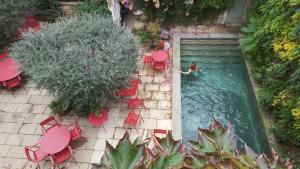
pixel 164 153
pixel 215 149
pixel 263 162
pixel 126 155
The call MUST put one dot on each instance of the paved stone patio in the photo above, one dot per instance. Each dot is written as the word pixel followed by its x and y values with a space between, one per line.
pixel 24 109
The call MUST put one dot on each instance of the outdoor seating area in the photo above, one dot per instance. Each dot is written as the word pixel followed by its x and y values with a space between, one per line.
pixel 139 109
pixel 55 142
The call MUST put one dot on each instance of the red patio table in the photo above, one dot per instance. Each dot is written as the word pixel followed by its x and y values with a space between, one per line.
pixel 8 69
pixel 55 140
pixel 160 55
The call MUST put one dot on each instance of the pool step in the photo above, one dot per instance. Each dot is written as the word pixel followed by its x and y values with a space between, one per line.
pixel 211 53
pixel 210 59
pixel 213 41
pixel 209 47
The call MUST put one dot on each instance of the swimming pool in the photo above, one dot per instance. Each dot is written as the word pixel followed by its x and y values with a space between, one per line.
pixel 223 90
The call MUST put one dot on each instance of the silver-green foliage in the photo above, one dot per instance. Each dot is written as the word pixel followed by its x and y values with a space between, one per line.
pixel 80 60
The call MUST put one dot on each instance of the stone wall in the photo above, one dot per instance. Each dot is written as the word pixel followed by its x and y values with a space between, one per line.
pixel 202 29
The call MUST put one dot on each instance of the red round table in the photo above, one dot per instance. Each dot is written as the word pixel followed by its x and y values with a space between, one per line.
pixel 160 55
pixel 8 69
pixel 55 140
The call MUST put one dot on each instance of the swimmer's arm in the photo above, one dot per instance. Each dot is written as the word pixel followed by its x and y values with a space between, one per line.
pixel 187 73
pixel 184 72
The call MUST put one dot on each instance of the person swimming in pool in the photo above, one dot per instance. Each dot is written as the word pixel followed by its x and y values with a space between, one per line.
pixel 192 69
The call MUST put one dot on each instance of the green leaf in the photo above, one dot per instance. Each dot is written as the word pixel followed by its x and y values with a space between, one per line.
pixel 124 156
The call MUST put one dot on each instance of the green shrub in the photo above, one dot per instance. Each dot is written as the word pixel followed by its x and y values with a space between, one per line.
pixel 47 10
pixel 81 60
pixel 143 36
pixel 272 40
pixel 12 17
pixel 179 10
pixel 58 106
pixel 199 6
pixel 92 6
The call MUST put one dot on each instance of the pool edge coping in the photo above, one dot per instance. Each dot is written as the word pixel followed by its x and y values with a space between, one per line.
pixel 176 86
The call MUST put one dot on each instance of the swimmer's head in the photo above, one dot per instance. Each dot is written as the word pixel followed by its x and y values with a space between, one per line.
pixel 193 66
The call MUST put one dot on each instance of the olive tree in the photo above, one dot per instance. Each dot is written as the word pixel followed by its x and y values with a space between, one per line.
pixel 81 60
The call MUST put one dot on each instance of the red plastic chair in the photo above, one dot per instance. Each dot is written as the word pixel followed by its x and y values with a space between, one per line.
pixel 3 55
pixel 158 66
pixel 35 154
pixel 126 92
pixel 13 83
pixel 147 59
pixel 129 91
pixel 135 103
pixel 132 120
pixel 134 83
pixel 49 123
pixel 75 131
pixel 62 156
pixel 159 131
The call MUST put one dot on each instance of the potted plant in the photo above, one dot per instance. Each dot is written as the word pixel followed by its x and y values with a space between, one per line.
pixel 153 29
pixel 59 107
pixel 98 114
pixel 97 110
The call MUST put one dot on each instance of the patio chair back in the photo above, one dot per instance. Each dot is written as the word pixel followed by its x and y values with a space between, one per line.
pixel 134 83
pixel 135 103
pixel 76 132
pixel 62 156
pixel 132 119
pixel 159 65
pixel 49 123
pixel 35 154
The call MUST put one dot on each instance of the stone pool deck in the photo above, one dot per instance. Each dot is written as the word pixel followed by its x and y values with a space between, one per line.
pixel 24 109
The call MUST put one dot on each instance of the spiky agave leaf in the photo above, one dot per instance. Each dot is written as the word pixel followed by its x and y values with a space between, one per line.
pixel 223 138
pixel 216 146
pixel 125 156
pixel 263 162
pixel 169 153
pixel 248 158
pixel 275 163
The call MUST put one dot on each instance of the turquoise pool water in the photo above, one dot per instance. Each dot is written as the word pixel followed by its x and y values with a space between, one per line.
pixel 222 90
